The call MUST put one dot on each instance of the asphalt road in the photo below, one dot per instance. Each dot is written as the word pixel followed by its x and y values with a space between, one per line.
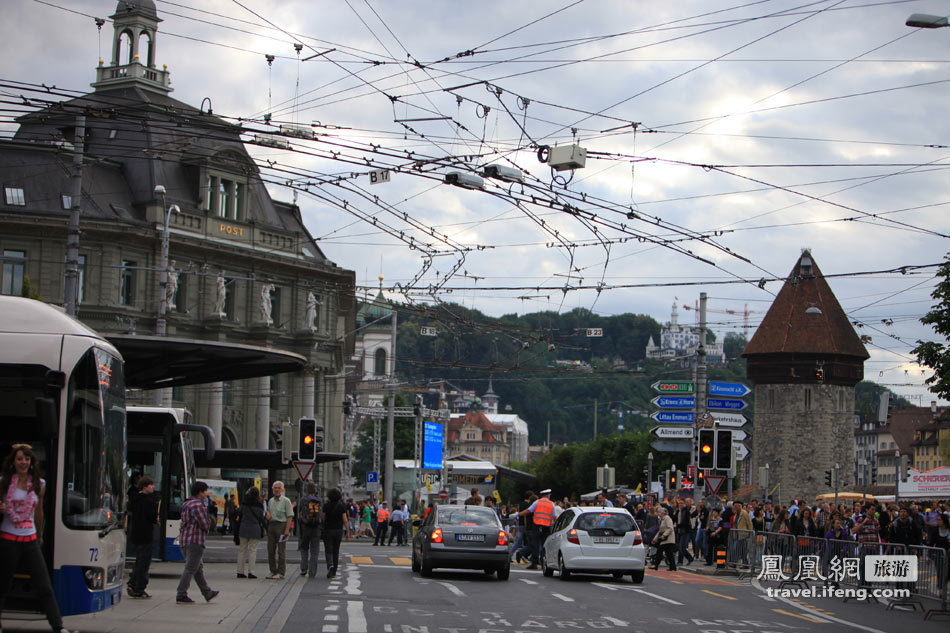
pixel 377 592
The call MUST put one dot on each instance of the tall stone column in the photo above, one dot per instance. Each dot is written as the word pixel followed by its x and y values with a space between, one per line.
pixel 262 436
pixel 215 417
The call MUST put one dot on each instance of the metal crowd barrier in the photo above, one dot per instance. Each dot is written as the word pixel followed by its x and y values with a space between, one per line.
pixel 745 551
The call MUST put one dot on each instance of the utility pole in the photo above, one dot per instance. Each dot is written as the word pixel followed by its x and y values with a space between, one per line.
pixel 700 407
pixel 897 477
pixel 71 281
pixel 836 485
pixel 391 417
pixel 595 418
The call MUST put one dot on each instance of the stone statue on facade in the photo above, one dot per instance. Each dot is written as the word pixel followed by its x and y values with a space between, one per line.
pixel 311 312
pixel 220 296
pixel 171 286
pixel 266 306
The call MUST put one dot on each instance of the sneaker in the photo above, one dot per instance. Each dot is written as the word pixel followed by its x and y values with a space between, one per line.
pixel 143 595
pixel 273 577
pixel 211 596
pixel 280 576
pixel 242 575
pixel 331 573
pixel 184 600
pixel 303 573
pixel 129 590
pixel 251 576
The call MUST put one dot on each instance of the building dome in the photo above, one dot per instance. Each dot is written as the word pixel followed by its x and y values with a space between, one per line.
pixel 145 7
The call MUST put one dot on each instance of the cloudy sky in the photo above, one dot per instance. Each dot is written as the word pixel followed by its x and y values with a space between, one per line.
pixel 722 138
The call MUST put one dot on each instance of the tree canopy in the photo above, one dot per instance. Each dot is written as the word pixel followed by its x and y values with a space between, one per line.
pixel 935 354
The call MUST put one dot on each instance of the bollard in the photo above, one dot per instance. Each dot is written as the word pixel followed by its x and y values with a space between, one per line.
pixel 720 558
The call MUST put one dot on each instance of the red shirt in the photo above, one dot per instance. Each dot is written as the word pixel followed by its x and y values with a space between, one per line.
pixel 194 522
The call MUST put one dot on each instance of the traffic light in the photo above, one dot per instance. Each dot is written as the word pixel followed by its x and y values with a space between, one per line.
pixel 724 452
pixel 309 444
pixel 829 478
pixel 347 406
pixel 819 375
pixel 707 448
pixel 700 478
pixel 873 473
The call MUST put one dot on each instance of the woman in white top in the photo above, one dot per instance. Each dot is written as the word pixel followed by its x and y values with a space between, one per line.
pixel 21 531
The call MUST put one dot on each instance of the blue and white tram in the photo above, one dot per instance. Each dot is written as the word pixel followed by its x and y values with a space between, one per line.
pixel 62 390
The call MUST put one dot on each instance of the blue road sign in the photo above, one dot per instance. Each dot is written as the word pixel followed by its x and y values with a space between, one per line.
pixel 372 477
pixel 728 389
pixel 725 403
pixel 673 417
pixel 432 445
pixel 674 402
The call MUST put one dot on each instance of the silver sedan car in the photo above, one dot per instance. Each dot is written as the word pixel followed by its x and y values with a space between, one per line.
pixel 461 537
pixel 594 540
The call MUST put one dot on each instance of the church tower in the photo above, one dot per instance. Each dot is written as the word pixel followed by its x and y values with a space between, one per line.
pixel 803 361
pixel 135 24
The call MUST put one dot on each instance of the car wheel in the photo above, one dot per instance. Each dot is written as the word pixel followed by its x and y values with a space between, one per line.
pixel 426 567
pixel 637 576
pixel 565 573
pixel 617 575
pixel 415 562
pixel 504 572
pixel 545 568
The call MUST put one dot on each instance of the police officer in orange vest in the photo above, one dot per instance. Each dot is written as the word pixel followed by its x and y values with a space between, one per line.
pixel 382 524
pixel 542 512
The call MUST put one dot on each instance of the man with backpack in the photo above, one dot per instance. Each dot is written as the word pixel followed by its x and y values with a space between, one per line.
pixel 308 517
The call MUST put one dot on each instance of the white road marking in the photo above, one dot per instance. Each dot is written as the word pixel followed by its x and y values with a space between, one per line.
pixel 756 584
pixel 330 617
pixel 528 582
pixel 330 628
pixel 615 621
pixel 458 592
pixel 658 597
pixel 355 616
pixel 331 607
pixel 562 597
pixel 353 581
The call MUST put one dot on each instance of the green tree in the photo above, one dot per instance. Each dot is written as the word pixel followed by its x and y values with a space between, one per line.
pixel 733 345
pixel 935 354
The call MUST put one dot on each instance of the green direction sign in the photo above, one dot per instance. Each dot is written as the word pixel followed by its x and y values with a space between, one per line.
pixel 674 386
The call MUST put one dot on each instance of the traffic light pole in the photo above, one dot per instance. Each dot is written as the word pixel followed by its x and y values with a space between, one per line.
pixel 700 408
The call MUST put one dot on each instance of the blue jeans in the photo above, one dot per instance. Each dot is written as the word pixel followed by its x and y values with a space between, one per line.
pixel 700 543
pixel 138 580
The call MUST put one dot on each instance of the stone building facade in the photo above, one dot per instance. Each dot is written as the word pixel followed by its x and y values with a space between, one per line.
pixel 244 268
pixel 804 361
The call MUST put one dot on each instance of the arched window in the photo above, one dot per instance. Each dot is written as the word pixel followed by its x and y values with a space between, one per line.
pixel 145 48
pixel 228 439
pixel 123 51
pixel 380 368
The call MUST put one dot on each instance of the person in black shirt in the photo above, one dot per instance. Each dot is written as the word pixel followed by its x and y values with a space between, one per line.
pixel 144 509
pixel 334 527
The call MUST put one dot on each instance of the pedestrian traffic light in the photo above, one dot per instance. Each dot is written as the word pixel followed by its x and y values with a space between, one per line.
pixel 309 444
pixel 873 473
pixel 347 406
pixel 707 448
pixel 829 477
pixel 700 478
pixel 724 452
pixel 819 375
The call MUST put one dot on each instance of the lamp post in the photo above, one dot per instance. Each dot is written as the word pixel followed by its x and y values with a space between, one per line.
pixel 649 472
pixel 927 21
pixel 163 275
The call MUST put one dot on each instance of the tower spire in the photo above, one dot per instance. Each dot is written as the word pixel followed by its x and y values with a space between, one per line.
pixel 135 29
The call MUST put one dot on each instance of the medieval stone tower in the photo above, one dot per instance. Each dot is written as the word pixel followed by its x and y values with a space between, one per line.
pixel 804 361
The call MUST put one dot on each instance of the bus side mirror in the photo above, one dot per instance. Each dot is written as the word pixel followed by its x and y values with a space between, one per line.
pixel 46 412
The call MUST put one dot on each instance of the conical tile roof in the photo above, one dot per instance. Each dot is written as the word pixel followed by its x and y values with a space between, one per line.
pixel 806 318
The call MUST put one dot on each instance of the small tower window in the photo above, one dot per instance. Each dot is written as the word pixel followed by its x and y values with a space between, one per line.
pixel 380 362
pixel 123 51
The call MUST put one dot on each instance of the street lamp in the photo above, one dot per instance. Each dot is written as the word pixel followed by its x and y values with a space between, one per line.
pixel 926 21
pixel 163 263
pixel 649 472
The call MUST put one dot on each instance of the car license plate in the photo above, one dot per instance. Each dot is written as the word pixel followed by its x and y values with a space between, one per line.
pixel 470 537
pixel 614 540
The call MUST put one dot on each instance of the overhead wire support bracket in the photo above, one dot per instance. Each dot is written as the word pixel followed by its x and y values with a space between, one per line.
pixel 326 52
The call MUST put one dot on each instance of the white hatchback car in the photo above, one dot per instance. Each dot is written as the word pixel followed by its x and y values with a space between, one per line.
pixel 594 540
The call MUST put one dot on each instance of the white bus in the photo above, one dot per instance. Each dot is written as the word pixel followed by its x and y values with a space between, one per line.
pixel 62 390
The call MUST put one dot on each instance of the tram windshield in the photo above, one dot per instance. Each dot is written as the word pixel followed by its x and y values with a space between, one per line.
pixel 95 448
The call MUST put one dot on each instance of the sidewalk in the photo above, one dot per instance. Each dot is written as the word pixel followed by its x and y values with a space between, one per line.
pixel 243 606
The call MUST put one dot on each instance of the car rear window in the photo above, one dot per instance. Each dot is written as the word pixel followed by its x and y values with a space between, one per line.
pixel 469 516
pixel 616 521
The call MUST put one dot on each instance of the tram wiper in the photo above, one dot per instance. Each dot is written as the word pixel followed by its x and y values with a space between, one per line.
pixel 115 526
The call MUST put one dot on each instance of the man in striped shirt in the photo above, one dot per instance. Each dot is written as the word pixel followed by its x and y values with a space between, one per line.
pixel 194 527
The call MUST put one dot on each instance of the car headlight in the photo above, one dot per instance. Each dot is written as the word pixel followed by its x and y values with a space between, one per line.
pixel 94 576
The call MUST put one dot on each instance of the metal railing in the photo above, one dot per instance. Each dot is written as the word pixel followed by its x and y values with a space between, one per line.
pixel 793 559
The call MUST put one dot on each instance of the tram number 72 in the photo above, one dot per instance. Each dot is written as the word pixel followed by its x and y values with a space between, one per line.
pixel 93 554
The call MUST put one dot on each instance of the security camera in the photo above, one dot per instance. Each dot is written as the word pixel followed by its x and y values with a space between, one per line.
pixel 502 172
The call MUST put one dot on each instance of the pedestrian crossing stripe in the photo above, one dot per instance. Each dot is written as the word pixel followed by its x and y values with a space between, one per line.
pixel 400 560
pixel 361 560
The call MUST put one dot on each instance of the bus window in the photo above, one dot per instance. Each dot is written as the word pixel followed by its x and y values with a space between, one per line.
pixel 94 464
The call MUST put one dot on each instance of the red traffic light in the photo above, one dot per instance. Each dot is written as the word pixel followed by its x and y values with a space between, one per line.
pixel 308 439
pixel 706 448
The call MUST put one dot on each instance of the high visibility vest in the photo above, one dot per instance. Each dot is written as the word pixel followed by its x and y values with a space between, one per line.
pixel 382 515
pixel 544 512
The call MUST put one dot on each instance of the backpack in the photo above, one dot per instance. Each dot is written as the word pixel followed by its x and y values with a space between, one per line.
pixel 310 511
